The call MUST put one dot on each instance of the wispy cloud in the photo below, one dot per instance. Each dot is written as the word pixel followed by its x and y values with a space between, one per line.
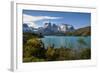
pixel 31 19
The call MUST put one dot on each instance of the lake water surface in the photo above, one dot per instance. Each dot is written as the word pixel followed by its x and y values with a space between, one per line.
pixel 67 41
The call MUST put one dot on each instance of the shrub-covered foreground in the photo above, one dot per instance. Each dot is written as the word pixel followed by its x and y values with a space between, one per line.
pixel 34 51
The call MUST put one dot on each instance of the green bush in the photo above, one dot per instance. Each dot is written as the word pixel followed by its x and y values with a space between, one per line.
pixel 66 54
pixel 34 42
pixel 85 54
pixel 34 47
pixel 50 53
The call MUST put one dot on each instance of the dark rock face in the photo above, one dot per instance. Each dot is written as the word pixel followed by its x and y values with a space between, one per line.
pixel 54 29
pixel 26 28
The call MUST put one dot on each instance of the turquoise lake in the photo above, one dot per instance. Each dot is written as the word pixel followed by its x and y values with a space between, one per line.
pixel 67 41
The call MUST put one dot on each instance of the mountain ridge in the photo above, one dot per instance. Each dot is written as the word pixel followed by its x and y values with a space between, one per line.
pixel 61 30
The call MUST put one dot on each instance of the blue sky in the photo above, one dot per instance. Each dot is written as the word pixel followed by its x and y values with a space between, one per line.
pixel 37 18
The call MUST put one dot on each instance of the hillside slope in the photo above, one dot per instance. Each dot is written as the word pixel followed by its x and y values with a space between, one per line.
pixel 85 31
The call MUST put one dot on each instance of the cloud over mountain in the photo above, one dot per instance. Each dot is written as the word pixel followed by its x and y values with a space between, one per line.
pixel 30 20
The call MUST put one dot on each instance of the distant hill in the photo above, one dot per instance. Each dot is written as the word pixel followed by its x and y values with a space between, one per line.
pixel 85 31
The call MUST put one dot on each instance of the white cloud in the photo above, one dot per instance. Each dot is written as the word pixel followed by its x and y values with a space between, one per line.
pixel 31 19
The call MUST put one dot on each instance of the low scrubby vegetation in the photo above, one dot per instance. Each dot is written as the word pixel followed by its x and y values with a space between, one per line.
pixel 34 50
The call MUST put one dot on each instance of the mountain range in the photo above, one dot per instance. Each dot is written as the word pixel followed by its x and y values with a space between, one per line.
pixel 53 29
